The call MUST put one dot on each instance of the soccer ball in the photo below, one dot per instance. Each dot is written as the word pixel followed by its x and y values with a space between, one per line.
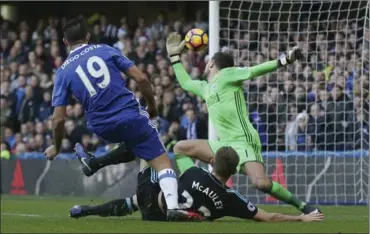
pixel 196 39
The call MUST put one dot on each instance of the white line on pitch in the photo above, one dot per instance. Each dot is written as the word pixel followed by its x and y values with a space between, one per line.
pixel 20 214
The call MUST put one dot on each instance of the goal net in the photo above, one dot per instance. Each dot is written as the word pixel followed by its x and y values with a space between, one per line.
pixel 313 116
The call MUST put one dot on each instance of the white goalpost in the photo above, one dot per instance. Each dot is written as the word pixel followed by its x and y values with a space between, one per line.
pixel 214 46
pixel 315 140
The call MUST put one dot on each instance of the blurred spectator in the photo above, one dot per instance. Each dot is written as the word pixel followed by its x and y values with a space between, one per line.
pixel 37 91
pixel 20 149
pixel 195 127
pixel 340 111
pixel 4 150
pixel 97 35
pixel 162 125
pixel 296 134
pixel 291 129
pixel 169 110
pixel 6 114
pixel 38 33
pixel 303 140
pixel 66 146
pixel 122 37
pixel 109 30
pixel 9 137
pixel 172 137
pixel 39 144
pixel 28 107
pixel 45 109
pixel 317 126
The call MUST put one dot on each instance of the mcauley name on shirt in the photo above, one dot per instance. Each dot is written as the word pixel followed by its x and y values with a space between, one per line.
pixel 210 193
pixel 74 57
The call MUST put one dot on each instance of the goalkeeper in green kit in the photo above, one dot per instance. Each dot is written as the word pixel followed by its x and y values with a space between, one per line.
pixel 223 94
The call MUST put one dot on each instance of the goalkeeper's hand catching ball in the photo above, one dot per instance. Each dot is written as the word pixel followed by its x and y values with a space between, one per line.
pixel 174 46
pixel 293 55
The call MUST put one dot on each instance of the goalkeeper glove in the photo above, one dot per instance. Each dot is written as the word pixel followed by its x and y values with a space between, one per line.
pixel 174 47
pixel 293 55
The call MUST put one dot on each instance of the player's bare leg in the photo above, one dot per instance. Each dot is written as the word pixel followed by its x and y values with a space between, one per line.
pixel 196 149
pixel 257 175
pixel 168 183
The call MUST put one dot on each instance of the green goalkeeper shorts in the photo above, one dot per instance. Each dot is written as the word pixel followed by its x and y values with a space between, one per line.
pixel 247 152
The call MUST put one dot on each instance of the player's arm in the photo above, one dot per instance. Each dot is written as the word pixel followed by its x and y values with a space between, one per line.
pixel 242 208
pixel 239 74
pixel 58 126
pixel 174 47
pixel 264 216
pixel 59 101
pixel 145 88
pixel 195 86
pixel 128 67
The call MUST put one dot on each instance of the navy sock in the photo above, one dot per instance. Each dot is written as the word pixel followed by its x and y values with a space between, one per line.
pixel 116 156
pixel 119 207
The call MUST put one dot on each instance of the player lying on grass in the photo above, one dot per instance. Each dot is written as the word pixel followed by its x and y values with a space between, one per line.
pixel 200 191
pixel 225 100
pixel 92 74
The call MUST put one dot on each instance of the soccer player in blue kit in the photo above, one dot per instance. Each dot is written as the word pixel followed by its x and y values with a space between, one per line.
pixel 92 74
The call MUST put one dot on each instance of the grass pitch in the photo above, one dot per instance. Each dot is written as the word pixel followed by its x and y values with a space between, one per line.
pixel 50 215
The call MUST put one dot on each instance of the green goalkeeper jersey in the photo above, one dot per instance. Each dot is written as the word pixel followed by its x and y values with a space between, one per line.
pixel 225 99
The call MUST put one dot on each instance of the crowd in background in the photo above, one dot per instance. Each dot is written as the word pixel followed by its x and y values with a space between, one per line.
pixel 321 103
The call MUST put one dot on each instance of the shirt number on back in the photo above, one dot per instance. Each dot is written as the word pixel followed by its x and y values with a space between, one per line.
pixel 100 70
pixel 189 203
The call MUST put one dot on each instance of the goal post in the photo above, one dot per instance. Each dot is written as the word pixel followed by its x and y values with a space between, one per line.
pixel 214 46
pixel 366 61
pixel 316 147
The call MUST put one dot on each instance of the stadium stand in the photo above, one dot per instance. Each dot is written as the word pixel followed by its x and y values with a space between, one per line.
pixel 323 113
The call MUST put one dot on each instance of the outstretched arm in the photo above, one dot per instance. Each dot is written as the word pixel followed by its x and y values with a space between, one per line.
pixel 239 74
pixel 264 216
pixel 262 68
pixel 174 47
pixel 243 208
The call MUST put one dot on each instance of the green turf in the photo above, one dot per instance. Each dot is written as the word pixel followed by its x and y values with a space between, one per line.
pixel 50 215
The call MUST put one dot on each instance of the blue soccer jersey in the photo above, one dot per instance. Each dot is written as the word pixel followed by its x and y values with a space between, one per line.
pixel 92 74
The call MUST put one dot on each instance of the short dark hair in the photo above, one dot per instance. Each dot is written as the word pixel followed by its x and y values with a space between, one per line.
pixel 226 162
pixel 223 60
pixel 75 29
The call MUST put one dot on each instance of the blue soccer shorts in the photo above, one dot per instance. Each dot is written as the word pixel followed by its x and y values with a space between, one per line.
pixel 138 132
